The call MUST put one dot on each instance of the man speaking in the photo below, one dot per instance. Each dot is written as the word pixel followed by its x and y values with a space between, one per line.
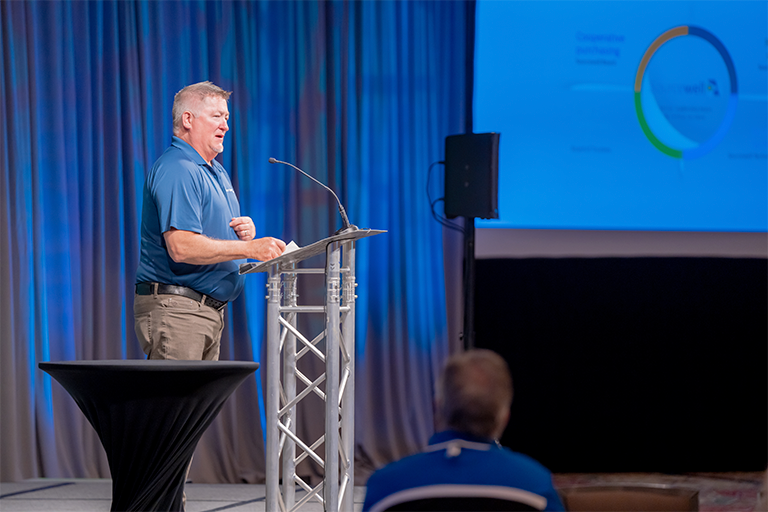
pixel 193 238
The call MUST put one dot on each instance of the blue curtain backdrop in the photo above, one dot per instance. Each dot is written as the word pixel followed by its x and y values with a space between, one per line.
pixel 360 94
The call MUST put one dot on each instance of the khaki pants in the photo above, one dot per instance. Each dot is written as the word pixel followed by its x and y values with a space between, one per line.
pixel 176 327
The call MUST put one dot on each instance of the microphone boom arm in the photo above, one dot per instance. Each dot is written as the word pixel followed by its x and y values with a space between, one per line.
pixel 346 226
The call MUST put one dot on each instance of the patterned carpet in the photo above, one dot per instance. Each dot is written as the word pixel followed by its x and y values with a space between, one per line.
pixel 718 492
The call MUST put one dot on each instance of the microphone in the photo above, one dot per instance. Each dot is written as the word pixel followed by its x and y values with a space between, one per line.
pixel 344 220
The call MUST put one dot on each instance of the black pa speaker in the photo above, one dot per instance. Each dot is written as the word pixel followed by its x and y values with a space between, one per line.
pixel 472 175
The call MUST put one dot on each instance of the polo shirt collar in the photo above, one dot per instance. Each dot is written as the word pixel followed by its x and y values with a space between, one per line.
pixel 189 151
pixel 450 435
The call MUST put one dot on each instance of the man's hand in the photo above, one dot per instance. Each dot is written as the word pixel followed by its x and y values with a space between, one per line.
pixel 266 248
pixel 244 228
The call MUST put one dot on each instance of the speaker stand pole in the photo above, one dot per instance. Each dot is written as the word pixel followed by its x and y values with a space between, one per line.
pixel 469 283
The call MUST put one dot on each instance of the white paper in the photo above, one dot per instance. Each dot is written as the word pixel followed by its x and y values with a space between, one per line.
pixel 292 246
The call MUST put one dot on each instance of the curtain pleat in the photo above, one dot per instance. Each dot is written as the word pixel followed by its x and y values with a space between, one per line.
pixel 359 94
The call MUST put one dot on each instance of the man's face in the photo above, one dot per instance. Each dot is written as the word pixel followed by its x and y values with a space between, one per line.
pixel 206 133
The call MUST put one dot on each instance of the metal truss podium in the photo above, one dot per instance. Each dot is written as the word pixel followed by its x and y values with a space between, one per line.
pixel 285 347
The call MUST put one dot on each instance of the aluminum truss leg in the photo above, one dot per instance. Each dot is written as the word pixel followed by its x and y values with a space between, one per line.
pixel 289 379
pixel 347 390
pixel 332 340
pixel 273 389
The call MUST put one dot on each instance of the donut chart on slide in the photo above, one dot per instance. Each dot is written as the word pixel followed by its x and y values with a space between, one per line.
pixel 706 146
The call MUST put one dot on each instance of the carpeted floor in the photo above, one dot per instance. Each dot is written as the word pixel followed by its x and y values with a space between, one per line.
pixel 718 492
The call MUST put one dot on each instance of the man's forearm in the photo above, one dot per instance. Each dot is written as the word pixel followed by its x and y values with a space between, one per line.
pixel 197 249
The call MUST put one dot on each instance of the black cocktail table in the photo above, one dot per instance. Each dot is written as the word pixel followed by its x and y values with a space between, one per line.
pixel 149 416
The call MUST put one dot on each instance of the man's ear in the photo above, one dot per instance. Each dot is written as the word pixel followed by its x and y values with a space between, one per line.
pixel 186 120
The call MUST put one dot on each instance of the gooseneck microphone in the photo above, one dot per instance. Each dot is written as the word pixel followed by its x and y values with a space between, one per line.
pixel 345 221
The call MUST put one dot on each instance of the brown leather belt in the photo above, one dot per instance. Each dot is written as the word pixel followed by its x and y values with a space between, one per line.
pixel 172 289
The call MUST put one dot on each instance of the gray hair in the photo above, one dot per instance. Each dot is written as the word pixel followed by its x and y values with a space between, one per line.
pixel 189 99
pixel 474 392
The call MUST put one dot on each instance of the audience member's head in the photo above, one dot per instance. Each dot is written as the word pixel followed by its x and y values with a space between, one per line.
pixel 474 394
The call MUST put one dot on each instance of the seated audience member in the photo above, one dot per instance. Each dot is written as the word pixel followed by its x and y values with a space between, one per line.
pixel 474 395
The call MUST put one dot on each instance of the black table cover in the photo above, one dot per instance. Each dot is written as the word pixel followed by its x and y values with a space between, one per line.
pixel 149 416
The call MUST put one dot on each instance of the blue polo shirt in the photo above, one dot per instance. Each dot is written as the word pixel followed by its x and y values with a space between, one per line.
pixel 453 458
pixel 183 191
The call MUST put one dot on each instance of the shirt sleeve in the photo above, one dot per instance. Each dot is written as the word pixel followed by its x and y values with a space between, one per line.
pixel 178 196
